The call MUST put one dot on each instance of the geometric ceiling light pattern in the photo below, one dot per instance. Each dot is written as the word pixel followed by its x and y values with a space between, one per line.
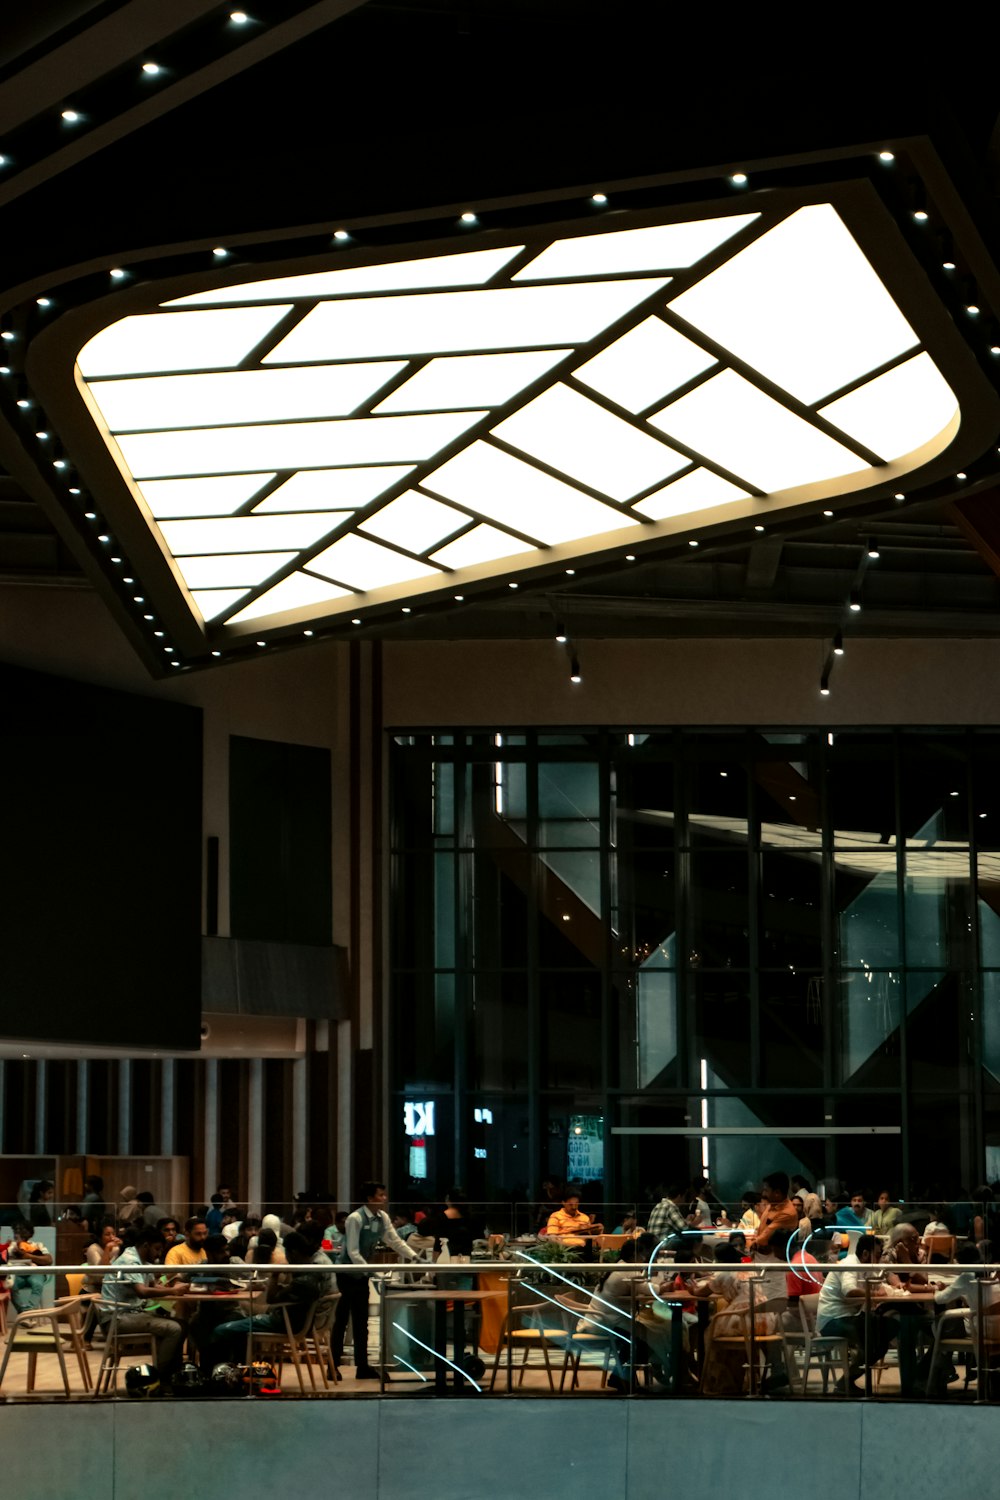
pixel 306 445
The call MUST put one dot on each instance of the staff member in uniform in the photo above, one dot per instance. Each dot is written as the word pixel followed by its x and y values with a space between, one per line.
pixel 366 1227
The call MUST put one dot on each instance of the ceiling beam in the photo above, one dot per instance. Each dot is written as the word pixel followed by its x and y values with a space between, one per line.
pixel 978 518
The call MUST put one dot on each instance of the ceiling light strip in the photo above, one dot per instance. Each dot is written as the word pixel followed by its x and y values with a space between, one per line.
pixel 863 380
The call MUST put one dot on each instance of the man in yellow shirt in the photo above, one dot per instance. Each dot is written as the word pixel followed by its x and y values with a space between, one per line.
pixel 191 1250
pixel 573 1228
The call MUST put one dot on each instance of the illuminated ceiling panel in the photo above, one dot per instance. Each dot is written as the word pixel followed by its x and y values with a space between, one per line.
pixel 645 365
pixel 802 305
pixel 472 268
pixel 201 497
pixel 154 403
pixel 513 493
pixel 151 343
pixel 415 521
pixel 654 248
pixel 742 429
pixel 336 489
pixel 416 418
pixel 291 445
pixel 246 533
pixel 468 380
pixel 361 564
pixel 299 591
pixel 699 490
pixel 893 412
pixel 449 322
pixel 579 438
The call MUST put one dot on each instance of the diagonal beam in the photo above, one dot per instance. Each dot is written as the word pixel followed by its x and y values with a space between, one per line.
pixel 978 519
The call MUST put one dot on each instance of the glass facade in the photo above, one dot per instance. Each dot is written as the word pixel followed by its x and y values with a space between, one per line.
pixel 623 958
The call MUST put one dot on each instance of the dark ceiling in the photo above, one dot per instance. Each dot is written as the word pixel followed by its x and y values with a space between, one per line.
pixel 328 112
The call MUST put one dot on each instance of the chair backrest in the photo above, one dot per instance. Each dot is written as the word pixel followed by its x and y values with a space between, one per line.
pixel 940 1244
pixel 325 1312
pixel 75 1280
pixel 611 1241
pixel 808 1307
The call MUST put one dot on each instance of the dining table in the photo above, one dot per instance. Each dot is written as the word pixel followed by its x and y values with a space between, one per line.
pixel 449 1375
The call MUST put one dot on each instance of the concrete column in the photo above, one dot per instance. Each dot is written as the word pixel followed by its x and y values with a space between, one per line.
pixel 345 1187
pixel 255 1128
pixel 41 1101
pixel 211 1125
pixel 300 1125
pixel 124 1107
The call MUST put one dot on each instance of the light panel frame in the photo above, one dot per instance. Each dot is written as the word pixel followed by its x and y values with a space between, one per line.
pixel 67 398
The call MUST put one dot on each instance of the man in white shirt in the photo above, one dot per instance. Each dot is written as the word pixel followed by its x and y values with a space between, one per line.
pixel 842 1302
pixel 365 1228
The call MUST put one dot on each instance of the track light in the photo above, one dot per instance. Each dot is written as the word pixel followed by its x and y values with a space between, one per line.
pixel 575 674
pixel 854 602
pixel 873 551
pixel 838 643
pixel 561 634
pixel 824 685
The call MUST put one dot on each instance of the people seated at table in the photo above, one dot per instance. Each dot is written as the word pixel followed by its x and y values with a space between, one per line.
pixel 40 1204
pixel 804 1229
pixel 104 1246
pixel 265 1250
pixel 840 1312
pixel 129 1207
pixel 365 1228
pixel 724 1369
pixel 242 1235
pixel 668 1220
pixel 575 1229
pixel 885 1215
pixel 853 1212
pixel 453 1223
pixel 938 1222
pixel 611 1306
pixel 811 1206
pixel 403 1224
pixel 126 1293
pixel 799 1282
pixel 275 1225
pixel 190 1251
pixel 778 1212
pixel 93 1207
pixel 26 1291
pixel 152 1213
pixel 552 1197
pixel 170 1230
pixel 297 1292
pixel 903 1250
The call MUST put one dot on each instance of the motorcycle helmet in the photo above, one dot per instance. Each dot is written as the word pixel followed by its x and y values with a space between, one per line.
pixel 142 1380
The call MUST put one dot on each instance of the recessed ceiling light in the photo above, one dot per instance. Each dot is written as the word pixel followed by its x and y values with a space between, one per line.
pixel 459 598
pixel 512 585
pixel 824 692
pixel 104 539
pixel 341 235
pixel 74 489
pixel 828 514
pixel 151 68
pixel 630 557
pixel 961 475
pixel 948 265
pixel 158 633
pixel 995 348
pixel 238 18
pixel 42 437
pixel 262 643
pixel 468 218
pixel 220 252
pixel 90 515
pixel 4 369
pixel 692 543
pixel 43 301
pixel 59 463
pixel 407 610
pixel 899 495
pixel 886 156
pixel 738 179
pixel 599 198
pixel 920 215
pixel 972 310
pixel 23 402
pixel 7 334
pixel 758 528
pixel 116 559
pixel 307 632
pixel 147 617
pixel 116 273
pixel 355 622
pixel 216 653
pixel 570 572
pixel 71 116
pixel 4 161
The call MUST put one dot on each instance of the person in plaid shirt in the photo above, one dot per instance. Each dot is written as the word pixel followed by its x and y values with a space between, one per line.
pixel 667 1219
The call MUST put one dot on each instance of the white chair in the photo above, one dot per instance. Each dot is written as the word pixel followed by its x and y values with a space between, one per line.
pixel 824 1351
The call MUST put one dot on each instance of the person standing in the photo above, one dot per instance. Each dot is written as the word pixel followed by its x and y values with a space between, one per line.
pixel 365 1228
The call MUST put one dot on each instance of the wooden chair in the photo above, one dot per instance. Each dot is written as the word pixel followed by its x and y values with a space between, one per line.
pixel 298 1346
pixel 742 1340
pixel 49 1330
pixel 318 1346
pixel 939 1244
pixel 579 1342
pixel 824 1351
pixel 119 1346
pixel 513 1335
pixel 611 1241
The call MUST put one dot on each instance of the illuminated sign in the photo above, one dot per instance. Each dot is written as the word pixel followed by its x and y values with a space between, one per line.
pixel 418 1118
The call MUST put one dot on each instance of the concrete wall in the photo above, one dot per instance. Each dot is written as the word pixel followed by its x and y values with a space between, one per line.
pixel 378 1449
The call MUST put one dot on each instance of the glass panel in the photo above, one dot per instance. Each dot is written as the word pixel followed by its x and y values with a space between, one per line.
pixel 791 1029
pixel 569 804
pixel 789 793
pixel 247 533
pixel 497 1164
pixel 423 1029
pixel 647 1022
pixel 861 787
pixel 722 1027
pixel 940 1025
pixel 214 602
pixel 651 1162
pixel 481 544
pixel 203 497
pixel 499 1031
pixel 367 565
pixel 933 789
pixel 937 908
pixel 716 784
pixel 414 521
pixel 572 1053
pixel 292 593
pixel 424 1159
pixel 588 443
pixel 644 922
pixel 867 909
pixel 869 1008
pixel 738 1163
pixel 942 1132
pixel 719 911
pixel 569 901
pixel 791 911
pixel 327 489
pixel 991 1023
pixel 241 571
pixel 699 490
pixel 498 900
pixel 872 1160
pixel 986 791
